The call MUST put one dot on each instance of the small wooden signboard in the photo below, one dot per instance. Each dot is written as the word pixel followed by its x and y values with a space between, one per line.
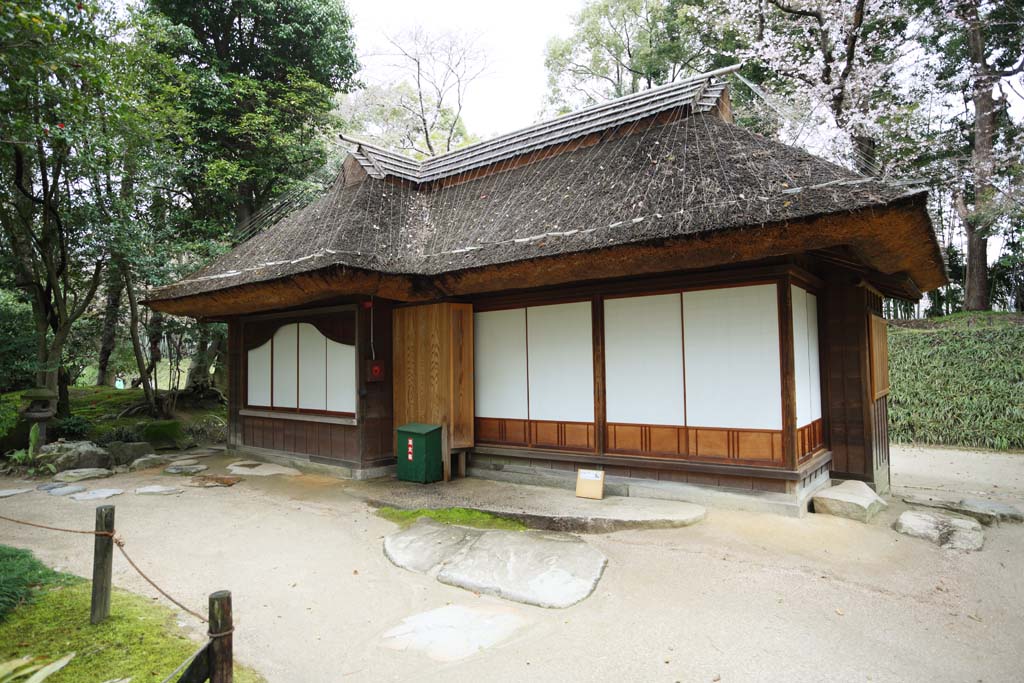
pixel 590 484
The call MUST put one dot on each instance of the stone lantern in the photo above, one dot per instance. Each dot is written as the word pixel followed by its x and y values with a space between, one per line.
pixel 40 408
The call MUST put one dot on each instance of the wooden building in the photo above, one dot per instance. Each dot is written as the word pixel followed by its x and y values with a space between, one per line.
pixel 641 286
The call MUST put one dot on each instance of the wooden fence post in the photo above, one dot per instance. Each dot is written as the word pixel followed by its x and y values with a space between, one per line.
pixel 221 655
pixel 102 564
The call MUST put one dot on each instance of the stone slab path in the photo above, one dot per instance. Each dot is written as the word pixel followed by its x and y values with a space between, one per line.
pixel 454 632
pixel 539 507
pixel 546 569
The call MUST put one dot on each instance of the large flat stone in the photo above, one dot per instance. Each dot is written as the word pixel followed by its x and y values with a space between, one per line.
pixel 147 461
pixel 97 494
pixel 184 469
pixel 425 545
pixel 546 569
pixel 954 533
pixel 988 512
pixel 70 455
pixel 66 490
pixel 158 490
pixel 454 632
pixel 7 493
pixel 83 474
pixel 852 500
pixel 251 468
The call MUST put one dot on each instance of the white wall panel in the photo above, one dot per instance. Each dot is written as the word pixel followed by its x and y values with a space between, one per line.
pixel 813 359
pixel 731 342
pixel 499 360
pixel 561 362
pixel 643 339
pixel 257 367
pixel 285 366
pixel 801 371
pixel 341 377
pixel 312 368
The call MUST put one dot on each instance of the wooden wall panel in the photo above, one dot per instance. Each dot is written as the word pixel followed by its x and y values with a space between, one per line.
pixel 749 446
pixel 879 343
pixel 428 342
pixel 323 440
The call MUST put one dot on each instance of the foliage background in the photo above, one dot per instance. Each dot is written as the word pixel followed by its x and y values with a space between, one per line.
pixel 958 381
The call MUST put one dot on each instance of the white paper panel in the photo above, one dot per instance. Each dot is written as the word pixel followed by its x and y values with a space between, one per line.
pixel 312 368
pixel 257 379
pixel 499 360
pixel 801 370
pixel 341 377
pixel 285 366
pixel 813 359
pixel 731 342
pixel 643 339
pixel 561 362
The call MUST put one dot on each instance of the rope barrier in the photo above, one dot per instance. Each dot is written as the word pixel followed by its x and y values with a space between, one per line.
pixel 119 542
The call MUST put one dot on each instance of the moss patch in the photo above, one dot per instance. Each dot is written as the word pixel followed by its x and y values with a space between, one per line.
pixel 140 640
pixel 458 516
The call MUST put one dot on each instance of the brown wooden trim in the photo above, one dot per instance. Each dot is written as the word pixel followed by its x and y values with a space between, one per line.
pixel 331 418
pixel 811 439
pixel 547 434
pixel 600 403
pixel 640 286
pixel 787 372
pixel 669 464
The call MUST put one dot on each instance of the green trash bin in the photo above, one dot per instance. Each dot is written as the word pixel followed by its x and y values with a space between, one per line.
pixel 419 453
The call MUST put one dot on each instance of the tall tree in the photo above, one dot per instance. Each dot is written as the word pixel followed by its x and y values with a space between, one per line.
pixel 979 48
pixel 75 130
pixel 265 73
pixel 619 47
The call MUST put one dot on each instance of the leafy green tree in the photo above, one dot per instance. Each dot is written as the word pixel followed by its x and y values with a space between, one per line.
pixel 619 47
pixel 63 113
pixel 263 73
pixel 17 342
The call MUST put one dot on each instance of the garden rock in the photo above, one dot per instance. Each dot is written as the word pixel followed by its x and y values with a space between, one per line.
pixel 164 434
pixel 70 476
pixel 852 499
pixel 147 461
pixel 97 494
pixel 988 512
pixel 50 485
pixel 66 490
pixel 71 455
pixel 953 533
pixel 125 452
pixel 184 461
pixel 184 469
pixel 158 490
pixel 7 493
pixel 206 481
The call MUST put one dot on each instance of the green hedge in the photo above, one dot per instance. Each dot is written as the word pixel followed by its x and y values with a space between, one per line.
pixel 958 381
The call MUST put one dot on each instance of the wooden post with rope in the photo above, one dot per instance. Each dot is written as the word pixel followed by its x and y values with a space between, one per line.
pixel 221 655
pixel 102 564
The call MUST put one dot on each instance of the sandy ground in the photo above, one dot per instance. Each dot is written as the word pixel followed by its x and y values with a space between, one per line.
pixel 738 597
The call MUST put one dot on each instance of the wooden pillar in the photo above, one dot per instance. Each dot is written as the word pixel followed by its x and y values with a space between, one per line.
pixel 787 367
pixel 221 650
pixel 236 385
pixel 600 419
pixel 102 564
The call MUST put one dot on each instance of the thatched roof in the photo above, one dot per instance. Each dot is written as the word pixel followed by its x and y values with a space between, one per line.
pixel 631 184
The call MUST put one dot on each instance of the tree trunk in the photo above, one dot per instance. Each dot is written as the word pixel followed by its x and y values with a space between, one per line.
pixel 63 397
pixel 140 360
pixel 199 364
pixel 108 337
pixel 978 220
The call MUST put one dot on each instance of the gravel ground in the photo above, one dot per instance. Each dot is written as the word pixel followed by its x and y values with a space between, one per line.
pixel 738 597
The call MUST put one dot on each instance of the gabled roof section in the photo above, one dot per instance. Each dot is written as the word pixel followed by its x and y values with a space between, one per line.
pixel 698 93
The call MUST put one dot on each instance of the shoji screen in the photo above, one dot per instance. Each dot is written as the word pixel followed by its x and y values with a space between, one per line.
pixel 341 377
pixel 285 367
pixel 500 364
pixel 312 368
pixel 731 343
pixel 643 339
pixel 561 362
pixel 257 378
pixel 805 356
